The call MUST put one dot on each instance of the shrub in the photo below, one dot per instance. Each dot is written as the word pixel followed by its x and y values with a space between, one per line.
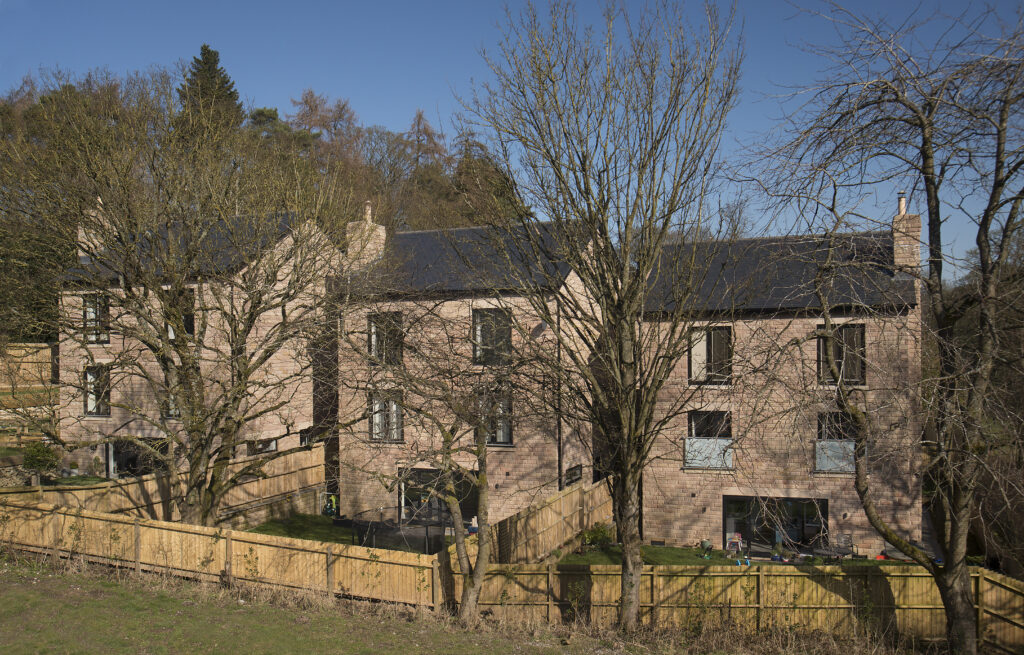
pixel 597 536
pixel 41 458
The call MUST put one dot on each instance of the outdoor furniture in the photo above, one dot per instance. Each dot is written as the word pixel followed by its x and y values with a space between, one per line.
pixel 838 547
pixel 734 542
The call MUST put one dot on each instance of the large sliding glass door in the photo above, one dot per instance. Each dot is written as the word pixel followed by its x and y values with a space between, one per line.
pixel 792 523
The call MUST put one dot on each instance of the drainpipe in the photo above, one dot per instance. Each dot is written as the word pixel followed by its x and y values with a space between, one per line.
pixel 558 388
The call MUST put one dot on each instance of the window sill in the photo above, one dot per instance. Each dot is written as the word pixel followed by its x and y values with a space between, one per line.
pixel 94 417
pixel 501 445
pixel 386 442
pixel 834 474
pixel 709 383
pixel 707 468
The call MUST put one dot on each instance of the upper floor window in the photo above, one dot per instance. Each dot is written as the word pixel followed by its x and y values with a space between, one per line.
pixel 187 305
pixel 709 444
pixel 386 338
pixel 492 336
pixel 96 318
pixel 386 416
pixel 711 355
pixel 260 447
pixel 96 382
pixel 496 418
pixel 170 407
pixel 848 353
pixel 833 451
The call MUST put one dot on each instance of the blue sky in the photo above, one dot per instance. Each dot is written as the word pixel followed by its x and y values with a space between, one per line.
pixel 387 58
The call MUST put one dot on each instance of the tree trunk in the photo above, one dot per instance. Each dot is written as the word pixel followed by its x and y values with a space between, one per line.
pixel 954 584
pixel 625 489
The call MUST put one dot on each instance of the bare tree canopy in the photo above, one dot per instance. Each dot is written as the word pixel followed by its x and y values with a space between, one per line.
pixel 932 105
pixel 612 137
pixel 202 254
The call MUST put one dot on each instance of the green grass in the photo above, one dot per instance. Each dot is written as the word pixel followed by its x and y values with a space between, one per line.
pixel 9 451
pixel 76 481
pixel 669 556
pixel 661 555
pixel 319 528
pixel 45 610
pixel 307 526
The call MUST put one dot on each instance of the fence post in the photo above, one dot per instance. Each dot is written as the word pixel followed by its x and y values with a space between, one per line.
pixel 655 596
pixel 980 605
pixel 227 560
pixel 583 508
pixel 330 570
pixel 138 546
pixel 57 532
pixel 435 585
pixel 760 595
pixel 551 592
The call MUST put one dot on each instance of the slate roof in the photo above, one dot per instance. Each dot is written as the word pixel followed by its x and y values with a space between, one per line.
pixel 758 274
pixel 225 250
pixel 778 273
pixel 466 261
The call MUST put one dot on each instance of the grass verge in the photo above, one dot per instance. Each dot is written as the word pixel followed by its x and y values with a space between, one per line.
pixel 670 556
pixel 48 608
pixel 307 526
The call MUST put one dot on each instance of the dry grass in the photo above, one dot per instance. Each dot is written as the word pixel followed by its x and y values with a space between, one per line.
pixel 254 619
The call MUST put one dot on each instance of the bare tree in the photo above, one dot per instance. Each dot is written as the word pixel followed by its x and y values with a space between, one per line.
pixel 933 106
pixel 202 255
pixel 612 139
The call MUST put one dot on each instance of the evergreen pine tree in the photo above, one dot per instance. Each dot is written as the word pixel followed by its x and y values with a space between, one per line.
pixel 209 89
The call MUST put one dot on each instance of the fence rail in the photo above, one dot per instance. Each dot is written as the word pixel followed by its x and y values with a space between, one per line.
pixel 532 534
pixel 838 599
pixel 151 496
pixel 212 553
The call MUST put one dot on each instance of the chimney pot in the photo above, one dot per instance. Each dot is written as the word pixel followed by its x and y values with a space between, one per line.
pixel 901 203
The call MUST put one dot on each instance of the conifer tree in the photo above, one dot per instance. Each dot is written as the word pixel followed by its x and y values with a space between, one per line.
pixel 209 89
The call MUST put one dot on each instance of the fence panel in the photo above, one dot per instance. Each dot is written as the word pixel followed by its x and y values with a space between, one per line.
pixel 838 599
pixel 209 553
pixel 151 496
pixel 533 533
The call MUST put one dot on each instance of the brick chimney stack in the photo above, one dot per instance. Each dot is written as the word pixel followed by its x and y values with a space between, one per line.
pixel 365 239
pixel 906 237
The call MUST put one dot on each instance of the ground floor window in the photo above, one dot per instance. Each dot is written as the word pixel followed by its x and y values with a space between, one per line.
pixel 139 457
pixel 418 499
pixel 763 523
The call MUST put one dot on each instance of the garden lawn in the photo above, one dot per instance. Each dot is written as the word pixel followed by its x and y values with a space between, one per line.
pixel 669 556
pixel 307 526
pixel 43 610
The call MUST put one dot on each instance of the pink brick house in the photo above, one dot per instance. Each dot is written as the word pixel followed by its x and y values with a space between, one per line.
pixel 758 451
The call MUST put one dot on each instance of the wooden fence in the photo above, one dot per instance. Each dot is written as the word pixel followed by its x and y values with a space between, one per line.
pixel 532 534
pixel 216 554
pixel 151 496
pixel 841 599
pixel 831 598
pixel 25 366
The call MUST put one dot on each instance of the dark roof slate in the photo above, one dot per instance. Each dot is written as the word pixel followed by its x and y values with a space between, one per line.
pixel 466 261
pixel 779 273
pixel 225 250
